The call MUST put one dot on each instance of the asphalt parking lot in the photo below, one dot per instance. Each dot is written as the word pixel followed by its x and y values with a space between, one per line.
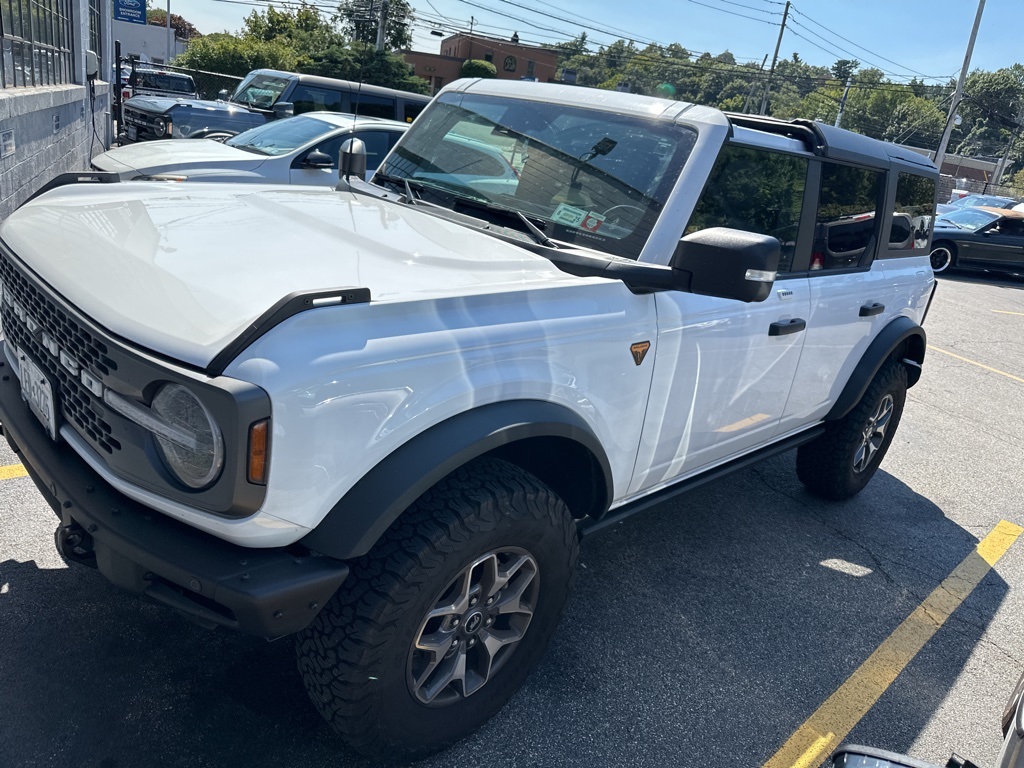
pixel 704 632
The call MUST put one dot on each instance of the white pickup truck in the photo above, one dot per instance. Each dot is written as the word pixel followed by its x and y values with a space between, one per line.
pixel 381 416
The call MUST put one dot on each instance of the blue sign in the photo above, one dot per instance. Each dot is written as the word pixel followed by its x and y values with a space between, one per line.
pixel 132 11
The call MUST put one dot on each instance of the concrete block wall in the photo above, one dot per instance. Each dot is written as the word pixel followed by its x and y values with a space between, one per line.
pixel 40 151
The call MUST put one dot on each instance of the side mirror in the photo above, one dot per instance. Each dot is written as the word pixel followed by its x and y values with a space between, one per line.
pixel 283 109
pixel 223 94
pixel 351 162
pixel 317 159
pixel 854 756
pixel 729 263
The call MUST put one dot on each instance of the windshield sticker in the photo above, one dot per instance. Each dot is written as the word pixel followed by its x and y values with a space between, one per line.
pixel 566 214
pixel 592 222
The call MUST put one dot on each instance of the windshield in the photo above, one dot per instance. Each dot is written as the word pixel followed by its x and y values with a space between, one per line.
pixel 968 218
pixel 592 178
pixel 973 201
pixel 259 91
pixel 165 81
pixel 281 136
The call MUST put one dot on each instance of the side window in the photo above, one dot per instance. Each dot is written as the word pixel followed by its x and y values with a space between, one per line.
pixel 755 190
pixel 412 108
pixel 311 98
pixel 373 106
pixel 847 215
pixel 914 212
pixel 378 144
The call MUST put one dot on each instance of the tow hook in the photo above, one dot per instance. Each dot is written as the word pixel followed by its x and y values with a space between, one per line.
pixel 74 544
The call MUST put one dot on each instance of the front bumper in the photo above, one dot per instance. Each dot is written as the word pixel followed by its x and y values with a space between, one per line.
pixel 266 592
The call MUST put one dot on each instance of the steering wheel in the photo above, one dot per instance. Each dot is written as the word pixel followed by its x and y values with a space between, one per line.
pixel 636 208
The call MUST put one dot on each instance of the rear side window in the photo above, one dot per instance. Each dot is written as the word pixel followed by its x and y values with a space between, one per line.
pixel 310 98
pixel 412 109
pixel 914 212
pixel 369 105
pixel 847 215
pixel 756 191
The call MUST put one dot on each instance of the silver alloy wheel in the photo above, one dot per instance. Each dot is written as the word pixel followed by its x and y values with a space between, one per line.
pixel 873 435
pixel 474 627
pixel 941 258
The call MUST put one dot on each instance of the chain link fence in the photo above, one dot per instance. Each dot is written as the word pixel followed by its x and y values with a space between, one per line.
pixel 948 183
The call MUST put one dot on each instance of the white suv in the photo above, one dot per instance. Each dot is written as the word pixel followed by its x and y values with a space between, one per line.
pixel 381 416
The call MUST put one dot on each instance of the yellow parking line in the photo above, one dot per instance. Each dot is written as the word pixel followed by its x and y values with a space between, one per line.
pixel 828 726
pixel 12 471
pixel 1007 312
pixel 980 365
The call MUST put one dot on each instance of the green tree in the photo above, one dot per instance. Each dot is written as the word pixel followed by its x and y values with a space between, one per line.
pixel 183 29
pixel 230 55
pixel 843 69
pixel 359 19
pixel 478 68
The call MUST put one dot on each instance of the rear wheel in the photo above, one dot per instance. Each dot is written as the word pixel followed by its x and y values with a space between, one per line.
pixel 439 625
pixel 943 256
pixel 840 463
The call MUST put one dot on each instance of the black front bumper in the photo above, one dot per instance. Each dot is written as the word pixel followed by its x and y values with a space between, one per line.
pixel 267 592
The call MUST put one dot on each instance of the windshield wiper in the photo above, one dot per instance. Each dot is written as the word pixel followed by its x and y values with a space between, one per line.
pixel 536 231
pixel 249 148
pixel 950 221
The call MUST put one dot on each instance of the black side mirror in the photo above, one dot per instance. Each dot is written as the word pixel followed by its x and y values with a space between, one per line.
pixel 283 109
pixel 317 159
pixel 729 263
pixel 855 756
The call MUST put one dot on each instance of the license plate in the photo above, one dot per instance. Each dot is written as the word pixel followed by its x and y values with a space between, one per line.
pixel 132 132
pixel 37 390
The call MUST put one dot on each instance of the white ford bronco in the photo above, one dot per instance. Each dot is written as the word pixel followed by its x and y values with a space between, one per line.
pixel 380 417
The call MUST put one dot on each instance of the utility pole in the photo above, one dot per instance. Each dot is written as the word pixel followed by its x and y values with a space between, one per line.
pixel 842 103
pixel 753 86
pixel 469 53
pixel 997 175
pixel 958 94
pixel 775 59
pixel 380 24
pixel 168 59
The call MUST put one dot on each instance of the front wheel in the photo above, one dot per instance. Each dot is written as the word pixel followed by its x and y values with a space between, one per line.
pixel 441 622
pixel 943 256
pixel 840 463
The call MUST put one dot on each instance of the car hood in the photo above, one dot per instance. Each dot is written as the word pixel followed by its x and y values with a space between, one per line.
pixel 172 155
pixel 163 103
pixel 183 269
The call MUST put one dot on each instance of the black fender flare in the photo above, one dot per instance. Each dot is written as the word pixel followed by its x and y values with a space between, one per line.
pixel 365 512
pixel 900 333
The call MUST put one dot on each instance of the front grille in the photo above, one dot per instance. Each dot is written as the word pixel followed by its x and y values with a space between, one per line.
pixel 77 404
pixel 137 118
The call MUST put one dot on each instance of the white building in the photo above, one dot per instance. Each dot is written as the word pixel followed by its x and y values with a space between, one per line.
pixel 147 42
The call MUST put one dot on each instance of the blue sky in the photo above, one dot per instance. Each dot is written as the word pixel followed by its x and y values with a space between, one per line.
pixel 904 38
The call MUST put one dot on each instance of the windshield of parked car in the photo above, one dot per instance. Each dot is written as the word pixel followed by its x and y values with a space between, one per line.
pixel 281 136
pixel 973 201
pixel 260 91
pixel 165 81
pixel 588 177
pixel 969 218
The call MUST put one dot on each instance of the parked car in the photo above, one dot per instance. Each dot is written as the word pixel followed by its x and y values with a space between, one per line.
pixel 380 417
pixel 979 238
pixel 299 150
pixel 975 201
pixel 158 82
pixel 263 95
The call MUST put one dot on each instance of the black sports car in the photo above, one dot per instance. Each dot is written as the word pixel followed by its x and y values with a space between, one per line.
pixel 979 238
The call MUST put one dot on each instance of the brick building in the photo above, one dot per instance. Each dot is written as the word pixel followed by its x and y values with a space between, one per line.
pixel 512 59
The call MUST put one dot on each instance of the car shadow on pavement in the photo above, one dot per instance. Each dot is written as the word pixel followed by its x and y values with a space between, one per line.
pixel 702 632
pixel 1000 279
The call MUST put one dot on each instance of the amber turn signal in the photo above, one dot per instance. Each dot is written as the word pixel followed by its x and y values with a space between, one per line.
pixel 259 434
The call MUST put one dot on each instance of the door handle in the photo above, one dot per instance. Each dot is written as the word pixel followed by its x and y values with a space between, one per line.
pixel 786 327
pixel 871 309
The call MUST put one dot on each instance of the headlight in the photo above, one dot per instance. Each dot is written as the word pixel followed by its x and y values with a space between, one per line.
pixel 197 459
pixel 159 126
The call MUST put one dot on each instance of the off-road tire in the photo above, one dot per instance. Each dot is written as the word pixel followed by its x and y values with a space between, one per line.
pixel 355 657
pixel 827 464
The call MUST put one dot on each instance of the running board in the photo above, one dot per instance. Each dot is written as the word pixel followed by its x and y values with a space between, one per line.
pixel 589 526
